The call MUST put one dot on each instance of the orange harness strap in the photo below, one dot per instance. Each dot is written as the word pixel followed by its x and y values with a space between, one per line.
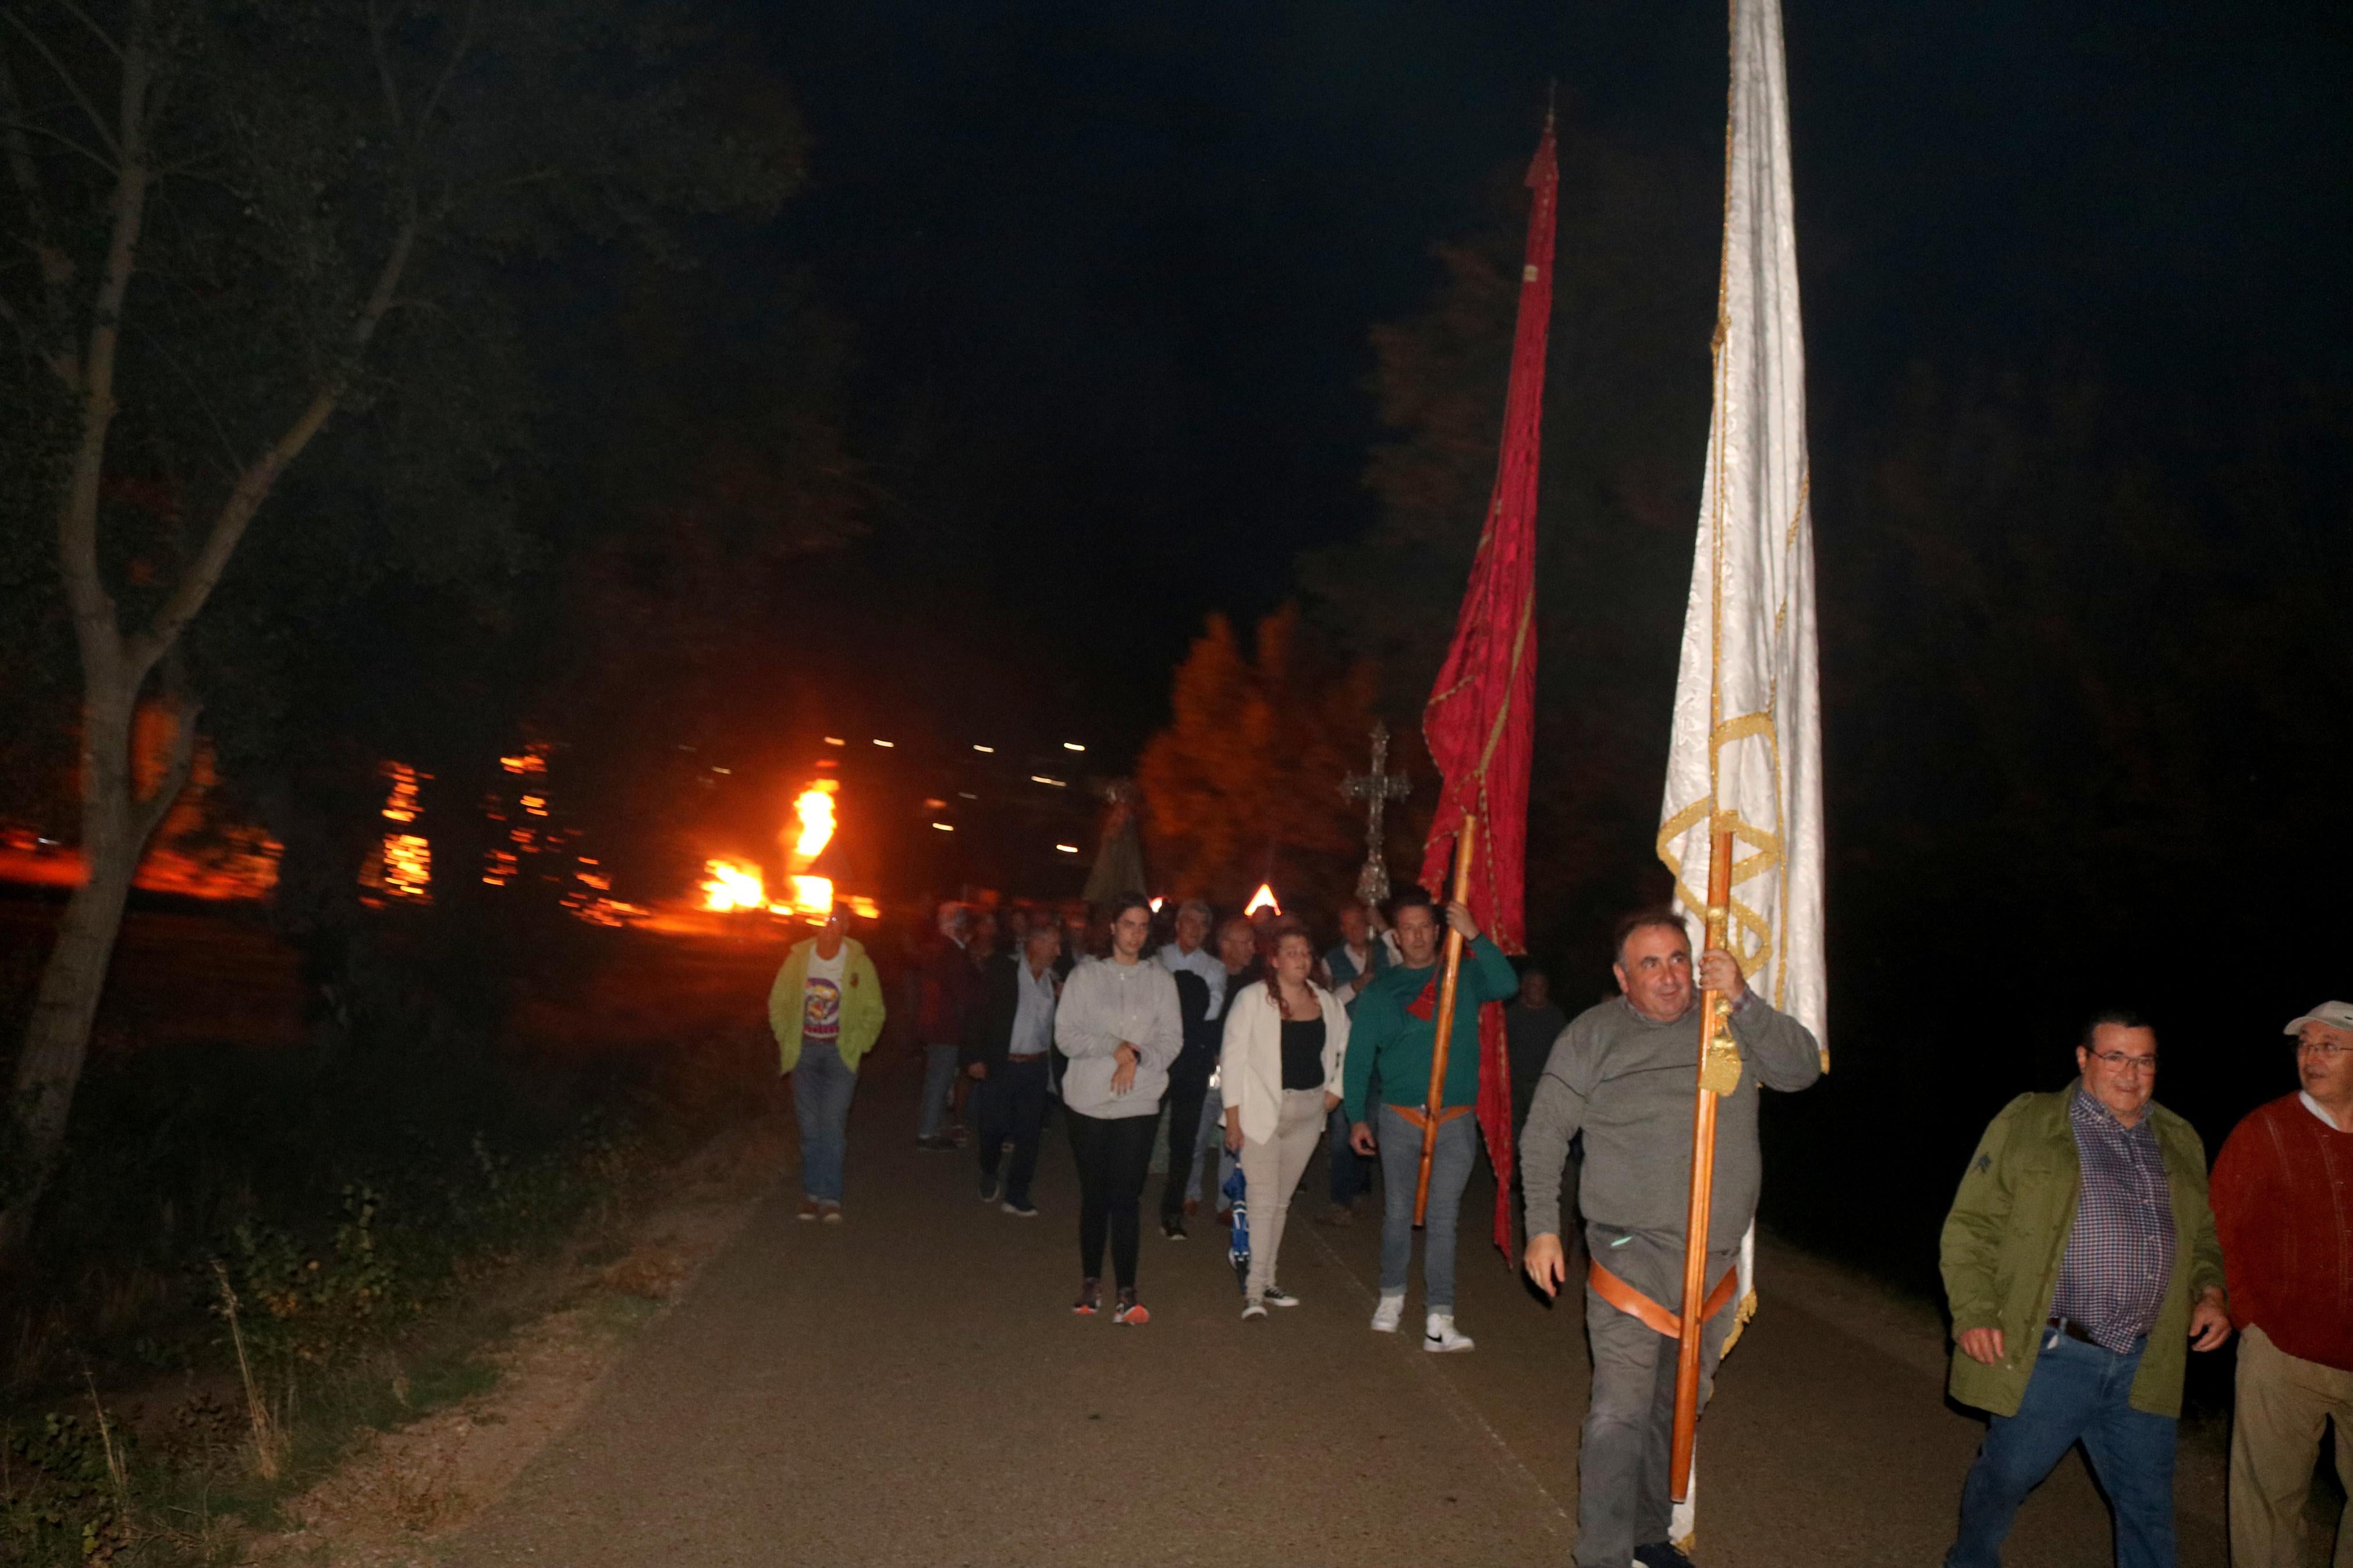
pixel 1419 1118
pixel 1655 1318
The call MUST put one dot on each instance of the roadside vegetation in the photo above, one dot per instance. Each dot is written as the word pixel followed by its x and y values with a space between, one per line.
pixel 254 1256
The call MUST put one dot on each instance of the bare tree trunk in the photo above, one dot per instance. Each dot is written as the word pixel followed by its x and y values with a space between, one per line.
pixel 116 824
pixel 117 821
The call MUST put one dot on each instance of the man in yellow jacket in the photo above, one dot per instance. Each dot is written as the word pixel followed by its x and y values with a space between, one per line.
pixel 826 1008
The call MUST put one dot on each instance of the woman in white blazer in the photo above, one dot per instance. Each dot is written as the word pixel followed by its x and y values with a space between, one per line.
pixel 1286 1037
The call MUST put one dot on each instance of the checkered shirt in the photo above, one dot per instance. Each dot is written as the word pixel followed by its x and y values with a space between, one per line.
pixel 2120 1252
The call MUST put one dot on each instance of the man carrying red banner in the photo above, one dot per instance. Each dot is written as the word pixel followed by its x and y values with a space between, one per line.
pixel 1394 1032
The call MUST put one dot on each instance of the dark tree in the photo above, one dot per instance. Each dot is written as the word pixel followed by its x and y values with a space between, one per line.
pixel 237 225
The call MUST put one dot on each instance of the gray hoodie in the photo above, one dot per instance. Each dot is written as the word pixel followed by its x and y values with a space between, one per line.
pixel 1103 1003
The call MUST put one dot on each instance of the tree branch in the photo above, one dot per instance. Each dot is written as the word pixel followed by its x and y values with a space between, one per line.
pixel 67 78
pixel 253 486
pixel 95 30
pixel 57 363
pixel 196 394
pixel 383 73
pixel 19 127
pixel 156 804
pixel 95 629
pixel 458 53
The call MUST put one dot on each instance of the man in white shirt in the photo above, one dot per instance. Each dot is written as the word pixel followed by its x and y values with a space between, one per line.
pixel 1006 1053
pixel 1190 951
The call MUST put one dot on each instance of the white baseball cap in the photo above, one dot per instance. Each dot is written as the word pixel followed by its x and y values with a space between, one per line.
pixel 2336 1015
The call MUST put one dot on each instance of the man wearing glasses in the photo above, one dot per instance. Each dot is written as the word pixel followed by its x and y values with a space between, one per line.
pixel 2079 1258
pixel 2284 1207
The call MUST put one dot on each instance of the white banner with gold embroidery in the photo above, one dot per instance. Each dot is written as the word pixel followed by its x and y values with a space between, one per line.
pixel 1747 722
pixel 1747 747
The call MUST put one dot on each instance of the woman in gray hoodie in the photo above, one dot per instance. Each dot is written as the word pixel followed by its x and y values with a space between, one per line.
pixel 1118 1025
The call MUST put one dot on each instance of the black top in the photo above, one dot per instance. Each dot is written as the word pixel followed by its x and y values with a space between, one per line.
pixel 1201 1032
pixel 1302 1052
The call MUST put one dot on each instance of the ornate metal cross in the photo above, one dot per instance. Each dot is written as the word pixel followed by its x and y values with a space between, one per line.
pixel 1376 789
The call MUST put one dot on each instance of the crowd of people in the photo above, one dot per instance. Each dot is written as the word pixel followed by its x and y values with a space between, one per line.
pixel 2085 1256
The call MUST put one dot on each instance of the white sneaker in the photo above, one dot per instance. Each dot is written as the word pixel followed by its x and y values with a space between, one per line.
pixel 1389 1314
pixel 1253 1310
pixel 1439 1334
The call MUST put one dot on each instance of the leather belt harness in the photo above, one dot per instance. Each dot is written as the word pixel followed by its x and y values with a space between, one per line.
pixel 1655 1318
pixel 1419 1119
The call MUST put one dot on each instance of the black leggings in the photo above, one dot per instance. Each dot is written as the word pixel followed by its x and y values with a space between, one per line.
pixel 1113 1154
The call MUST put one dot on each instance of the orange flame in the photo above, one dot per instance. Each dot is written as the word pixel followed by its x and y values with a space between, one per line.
pixel 1262 899
pixel 733 885
pixel 813 811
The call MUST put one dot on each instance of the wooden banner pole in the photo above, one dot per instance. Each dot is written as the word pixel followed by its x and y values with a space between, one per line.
pixel 1451 977
pixel 1702 1184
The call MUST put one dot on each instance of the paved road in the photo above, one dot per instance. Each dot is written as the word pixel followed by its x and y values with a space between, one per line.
pixel 911 1388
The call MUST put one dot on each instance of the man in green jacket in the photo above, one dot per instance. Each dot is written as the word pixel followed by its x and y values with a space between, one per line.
pixel 2078 1259
pixel 1394 1032
pixel 826 1008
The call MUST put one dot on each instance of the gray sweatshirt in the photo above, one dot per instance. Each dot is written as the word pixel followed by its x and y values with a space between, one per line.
pixel 1628 1083
pixel 1103 1003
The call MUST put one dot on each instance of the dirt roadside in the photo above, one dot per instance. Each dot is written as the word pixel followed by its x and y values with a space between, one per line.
pixel 386 1503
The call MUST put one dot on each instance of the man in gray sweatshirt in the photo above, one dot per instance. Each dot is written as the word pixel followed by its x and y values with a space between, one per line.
pixel 1624 1073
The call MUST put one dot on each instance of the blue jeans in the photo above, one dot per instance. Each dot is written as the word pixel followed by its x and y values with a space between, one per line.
pixel 1352 1173
pixel 822 1085
pixel 1449 1172
pixel 939 1089
pixel 2079 1393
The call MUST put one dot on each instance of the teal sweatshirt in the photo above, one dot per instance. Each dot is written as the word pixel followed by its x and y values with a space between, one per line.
pixel 1384 1030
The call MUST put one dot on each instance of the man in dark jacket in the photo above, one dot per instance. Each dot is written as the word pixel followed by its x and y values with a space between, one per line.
pixel 1189 1086
pixel 945 987
pixel 1006 1046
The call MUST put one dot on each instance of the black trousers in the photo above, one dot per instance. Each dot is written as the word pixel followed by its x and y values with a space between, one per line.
pixel 1113 1154
pixel 1189 1088
pixel 1010 1102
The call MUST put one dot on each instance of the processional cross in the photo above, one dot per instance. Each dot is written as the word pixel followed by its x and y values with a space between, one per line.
pixel 1376 789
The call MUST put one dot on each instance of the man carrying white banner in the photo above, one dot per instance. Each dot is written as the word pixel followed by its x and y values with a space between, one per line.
pixel 1621 1074
pixel 1744 770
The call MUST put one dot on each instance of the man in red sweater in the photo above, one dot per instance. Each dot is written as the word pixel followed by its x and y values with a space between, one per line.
pixel 2282 1196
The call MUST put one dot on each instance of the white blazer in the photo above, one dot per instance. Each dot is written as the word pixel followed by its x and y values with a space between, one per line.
pixel 1249 1067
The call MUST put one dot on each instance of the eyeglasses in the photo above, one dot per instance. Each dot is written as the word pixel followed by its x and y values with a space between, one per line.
pixel 2325 1048
pixel 2119 1062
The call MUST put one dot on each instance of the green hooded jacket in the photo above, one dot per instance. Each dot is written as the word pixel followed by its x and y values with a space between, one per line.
pixel 861 1004
pixel 2008 1232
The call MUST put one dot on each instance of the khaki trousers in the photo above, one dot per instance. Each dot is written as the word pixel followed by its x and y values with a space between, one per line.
pixel 2284 1402
pixel 1272 1169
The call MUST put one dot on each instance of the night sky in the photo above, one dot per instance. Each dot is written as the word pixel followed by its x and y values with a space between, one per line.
pixel 1125 260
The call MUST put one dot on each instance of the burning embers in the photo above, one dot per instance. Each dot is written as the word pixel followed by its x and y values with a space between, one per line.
pixel 408 868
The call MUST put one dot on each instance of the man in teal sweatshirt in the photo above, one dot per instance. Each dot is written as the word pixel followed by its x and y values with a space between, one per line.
pixel 1394 1033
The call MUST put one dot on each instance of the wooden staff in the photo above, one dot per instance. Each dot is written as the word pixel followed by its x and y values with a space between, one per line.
pixel 1449 979
pixel 1703 1184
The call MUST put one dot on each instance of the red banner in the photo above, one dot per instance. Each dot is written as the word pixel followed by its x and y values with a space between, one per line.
pixel 1479 718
